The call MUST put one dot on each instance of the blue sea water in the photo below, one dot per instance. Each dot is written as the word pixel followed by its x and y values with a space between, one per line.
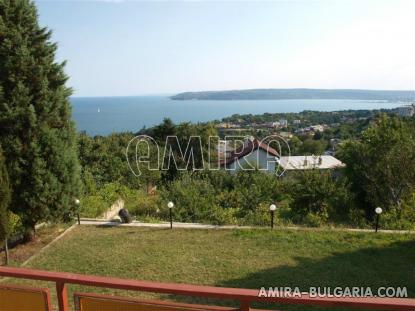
pixel 104 115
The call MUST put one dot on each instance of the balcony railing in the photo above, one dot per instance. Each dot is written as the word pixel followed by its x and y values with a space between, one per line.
pixel 245 297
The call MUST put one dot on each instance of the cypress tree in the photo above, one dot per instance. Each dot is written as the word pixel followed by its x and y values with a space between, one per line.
pixel 36 130
pixel 4 203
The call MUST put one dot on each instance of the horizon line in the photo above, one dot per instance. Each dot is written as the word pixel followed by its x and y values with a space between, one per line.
pixel 248 89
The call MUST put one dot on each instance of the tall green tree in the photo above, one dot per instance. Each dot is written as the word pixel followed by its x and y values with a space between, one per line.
pixel 312 147
pixel 318 193
pixel 381 165
pixel 4 202
pixel 36 130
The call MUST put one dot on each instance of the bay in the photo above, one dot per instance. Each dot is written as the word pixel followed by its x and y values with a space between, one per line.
pixel 104 115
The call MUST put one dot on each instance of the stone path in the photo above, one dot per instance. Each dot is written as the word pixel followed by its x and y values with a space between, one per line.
pixel 93 222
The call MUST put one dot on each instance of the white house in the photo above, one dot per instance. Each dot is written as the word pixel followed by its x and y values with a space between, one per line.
pixel 283 122
pixel 323 162
pixel 253 154
pixel 406 111
pixel 224 149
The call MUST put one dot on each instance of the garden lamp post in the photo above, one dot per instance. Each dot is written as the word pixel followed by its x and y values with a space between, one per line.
pixel 77 203
pixel 272 209
pixel 378 211
pixel 170 205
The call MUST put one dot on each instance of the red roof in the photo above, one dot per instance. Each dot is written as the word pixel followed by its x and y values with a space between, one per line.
pixel 247 148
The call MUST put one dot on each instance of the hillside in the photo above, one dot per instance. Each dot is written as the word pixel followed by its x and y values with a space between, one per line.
pixel 266 94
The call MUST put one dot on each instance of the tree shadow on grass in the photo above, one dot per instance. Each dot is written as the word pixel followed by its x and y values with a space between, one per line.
pixel 389 266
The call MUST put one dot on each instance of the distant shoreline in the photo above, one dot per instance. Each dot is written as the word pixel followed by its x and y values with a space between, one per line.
pixel 286 94
pixel 119 114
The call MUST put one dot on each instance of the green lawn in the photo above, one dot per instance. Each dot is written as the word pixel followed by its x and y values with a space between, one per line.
pixel 236 258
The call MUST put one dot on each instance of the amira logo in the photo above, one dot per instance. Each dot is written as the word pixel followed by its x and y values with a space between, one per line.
pixel 284 292
pixel 232 153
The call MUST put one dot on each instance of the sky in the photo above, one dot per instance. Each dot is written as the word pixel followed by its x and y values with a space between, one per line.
pixel 127 48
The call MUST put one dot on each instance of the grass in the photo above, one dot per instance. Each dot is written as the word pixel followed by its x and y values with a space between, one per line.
pixel 235 258
pixel 21 252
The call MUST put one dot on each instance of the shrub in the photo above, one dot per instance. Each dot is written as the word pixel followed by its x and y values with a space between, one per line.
pixel 222 216
pixel 139 204
pixel 194 199
pixel 259 217
pixel 395 220
pixel 15 224
pixel 356 218
pixel 93 206
pixel 318 194
pixel 314 220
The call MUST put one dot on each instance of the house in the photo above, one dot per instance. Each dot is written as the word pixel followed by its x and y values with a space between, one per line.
pixel 283 122
pixel 275 124
pixel 322 162
pixel 406 111
pixel 224 149
pixel 252 154
pixel 317 128
pixel 285 135
pixel 224 125
pixel 312 129
pixel 280 123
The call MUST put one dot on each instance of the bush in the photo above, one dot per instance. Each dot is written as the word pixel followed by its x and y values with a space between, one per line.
pixel 15 224
pixel 259 217
pixel 194 199
pixel 222 216
pixel 93 206
pixel 356 218
pixel 314 220
pixel 97 203
pixel 393 220
pixel 141 205
pixel 317 197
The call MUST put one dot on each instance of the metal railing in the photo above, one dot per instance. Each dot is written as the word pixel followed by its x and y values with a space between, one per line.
pixel 245 297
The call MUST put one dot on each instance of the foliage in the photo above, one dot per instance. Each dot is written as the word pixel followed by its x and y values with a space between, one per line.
pixel 312 147
pixel 311 198
pixel 143 206
pixel 306 117
pixel 93 206
pixel 36 130
pixel 381 166
pixel 5 194
pixel 251 188
pixel 15 224
pixel 318 197
pixel 194 198
pixel 104 160
pixel 260 216
pixel 96 203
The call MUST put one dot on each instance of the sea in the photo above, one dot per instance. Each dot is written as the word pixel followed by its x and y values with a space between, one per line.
pixel 105 115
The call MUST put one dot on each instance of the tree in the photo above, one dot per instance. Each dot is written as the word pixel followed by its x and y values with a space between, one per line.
pixel 36 130
pixel 194 198
pixel 381 166
pixel 4 203
pixel 295 145
pixel 253 187
pixel 312 147
pixel 164 129
pixel 316 192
